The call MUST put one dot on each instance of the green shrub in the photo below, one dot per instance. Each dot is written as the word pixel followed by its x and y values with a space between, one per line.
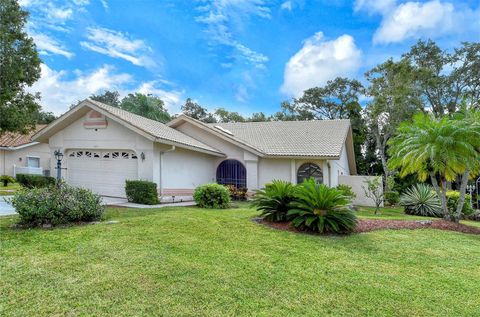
pixel 392 197
pixel 237 193
pixel 421 200
pixel 347 191
pixel 141 192
pixel 56 205
pixel 453 197
pixel 212 196
pixel 35 181
pixel 274 200
pixel 6 179
pixel 319 208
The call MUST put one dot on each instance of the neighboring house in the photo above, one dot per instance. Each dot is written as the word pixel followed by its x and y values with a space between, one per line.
pixel 103 146
pixel 19 154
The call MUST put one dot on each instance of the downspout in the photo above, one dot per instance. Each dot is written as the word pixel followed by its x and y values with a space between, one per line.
pixel 161 165
pixel 329 174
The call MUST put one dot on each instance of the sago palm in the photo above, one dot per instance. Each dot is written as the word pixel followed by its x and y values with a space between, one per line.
pixel 274 200
pixel 320 208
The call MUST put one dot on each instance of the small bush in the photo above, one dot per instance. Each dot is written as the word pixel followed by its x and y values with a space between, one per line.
pixel 453 197
pixel 237 193
pixel 274 200
pixel 141 192
pixel 322 209
pixel 6 179
pixel 56 205
pixel 212 196
pixel 347 191
pixel 421 200
pixel 392 198
pixel 35 181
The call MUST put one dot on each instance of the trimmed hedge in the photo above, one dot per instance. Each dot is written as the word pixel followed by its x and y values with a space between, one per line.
pixel 212 196
pixel 56 205
pixel 35 181
pixel 141 192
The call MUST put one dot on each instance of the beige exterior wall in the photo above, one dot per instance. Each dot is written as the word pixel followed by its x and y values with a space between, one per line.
pixel 9 158
pixel 357 183
pixel 263 170
pixel 232 151
pixel 113 137
pixel 339 167
pixel 184 169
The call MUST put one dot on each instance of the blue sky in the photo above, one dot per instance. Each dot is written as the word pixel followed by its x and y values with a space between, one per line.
pixel 243 55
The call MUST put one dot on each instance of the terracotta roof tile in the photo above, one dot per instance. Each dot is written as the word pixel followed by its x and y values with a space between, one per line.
pixel 10 139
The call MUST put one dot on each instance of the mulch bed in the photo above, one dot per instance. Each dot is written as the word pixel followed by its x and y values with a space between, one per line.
pixel 366 225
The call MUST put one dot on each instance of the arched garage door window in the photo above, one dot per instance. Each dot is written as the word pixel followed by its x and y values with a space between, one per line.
pixel 310 170
pixel 232 172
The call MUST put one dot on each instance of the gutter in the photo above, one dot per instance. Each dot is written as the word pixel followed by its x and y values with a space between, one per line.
pixel 14 148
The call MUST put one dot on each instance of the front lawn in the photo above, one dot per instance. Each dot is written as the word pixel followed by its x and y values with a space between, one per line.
pixel 194 262
pixel 10 189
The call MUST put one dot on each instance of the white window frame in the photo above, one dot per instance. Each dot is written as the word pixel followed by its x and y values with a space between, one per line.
pixel 33 157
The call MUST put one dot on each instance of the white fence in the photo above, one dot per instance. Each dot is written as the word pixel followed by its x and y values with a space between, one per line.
pixel 26 170
pixel 357 183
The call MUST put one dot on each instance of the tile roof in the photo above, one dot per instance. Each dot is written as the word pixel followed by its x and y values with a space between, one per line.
pixel 10 139
pixel 154 128
pixel 319 138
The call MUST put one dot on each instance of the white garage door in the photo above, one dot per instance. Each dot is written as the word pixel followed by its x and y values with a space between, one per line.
pixel 102 171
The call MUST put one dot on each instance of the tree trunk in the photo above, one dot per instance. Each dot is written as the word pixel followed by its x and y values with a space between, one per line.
pixel 442 195
pixel 463 190
pixel 381 145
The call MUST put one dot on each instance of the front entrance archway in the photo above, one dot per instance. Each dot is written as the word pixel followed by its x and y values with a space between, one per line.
pixel 232 172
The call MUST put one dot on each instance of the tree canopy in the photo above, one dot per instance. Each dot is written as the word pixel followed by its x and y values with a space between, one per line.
pixel 19 68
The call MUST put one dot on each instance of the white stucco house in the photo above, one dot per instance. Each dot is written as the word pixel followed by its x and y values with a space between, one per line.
pixel 103 146
pixel 19 154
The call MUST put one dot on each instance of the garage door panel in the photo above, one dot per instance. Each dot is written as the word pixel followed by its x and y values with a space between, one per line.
pixel 104 172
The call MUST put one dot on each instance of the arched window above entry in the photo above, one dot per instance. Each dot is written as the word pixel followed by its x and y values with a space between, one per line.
pixel 232 172
pixel 309 170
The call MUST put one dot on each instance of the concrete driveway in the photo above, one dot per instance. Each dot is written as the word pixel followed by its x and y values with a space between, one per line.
pixel 5 208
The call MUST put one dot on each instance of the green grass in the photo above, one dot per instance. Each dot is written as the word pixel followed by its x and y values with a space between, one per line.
pixel 6 191
pixel 193 262
pixel 393 213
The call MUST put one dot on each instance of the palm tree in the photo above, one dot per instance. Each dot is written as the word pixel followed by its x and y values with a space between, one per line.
pixel 441 149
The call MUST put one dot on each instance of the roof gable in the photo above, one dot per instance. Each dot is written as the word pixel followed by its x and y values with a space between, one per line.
pixel 151 129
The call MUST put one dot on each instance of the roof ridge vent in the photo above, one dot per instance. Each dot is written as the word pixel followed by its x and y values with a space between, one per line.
pixel 223 129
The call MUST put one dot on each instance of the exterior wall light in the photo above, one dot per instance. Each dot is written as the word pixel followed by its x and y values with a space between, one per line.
pixel 142 156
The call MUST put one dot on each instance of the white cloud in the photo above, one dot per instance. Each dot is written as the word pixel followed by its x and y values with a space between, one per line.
pixel 375 6
pixel 104 4
pixel 221 17
pixel 60 14
pixel 118 45
pixel 58 93
pixel 319 61
pixel 47 45
pixel 172 98
pixel 287 5
pixel 411 19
